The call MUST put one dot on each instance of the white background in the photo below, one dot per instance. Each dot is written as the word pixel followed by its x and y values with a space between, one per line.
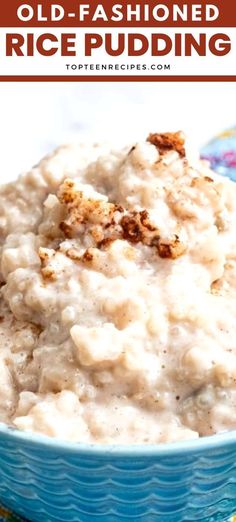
pixel 36 117
pixel 56 65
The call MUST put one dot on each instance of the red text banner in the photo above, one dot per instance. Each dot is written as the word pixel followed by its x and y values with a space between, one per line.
pixel 107 13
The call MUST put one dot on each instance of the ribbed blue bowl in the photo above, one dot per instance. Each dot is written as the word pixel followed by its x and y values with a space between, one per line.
pixel 47 480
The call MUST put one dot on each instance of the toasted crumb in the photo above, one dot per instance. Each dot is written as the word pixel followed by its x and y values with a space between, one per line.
pixel 47 271
pixel 73 254
pixel 87 256
pixel 44 256
pixel 49 274
pixel 106 222
pixel 172 249
pixel 168 141
pixel 66 229
pixel 131 229
pixel 145 220
pixel 106 242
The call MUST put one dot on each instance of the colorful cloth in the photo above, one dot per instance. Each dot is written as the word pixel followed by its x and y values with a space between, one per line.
pixel 221 152
pixel 7 516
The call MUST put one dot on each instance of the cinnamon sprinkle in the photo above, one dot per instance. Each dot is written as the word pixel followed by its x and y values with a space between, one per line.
pixel 168 141
pixel 106 222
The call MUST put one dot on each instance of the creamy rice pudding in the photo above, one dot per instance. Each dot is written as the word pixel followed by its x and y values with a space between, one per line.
pixel 118 295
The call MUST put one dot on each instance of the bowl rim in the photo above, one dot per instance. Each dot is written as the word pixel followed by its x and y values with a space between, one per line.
pixel 200 445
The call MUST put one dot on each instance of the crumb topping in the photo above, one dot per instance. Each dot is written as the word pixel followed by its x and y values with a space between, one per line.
pixel 106 222
pixel 168 141
pixel 46 257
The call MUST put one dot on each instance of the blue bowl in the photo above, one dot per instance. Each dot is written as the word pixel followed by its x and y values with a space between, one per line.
pixel 48 480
